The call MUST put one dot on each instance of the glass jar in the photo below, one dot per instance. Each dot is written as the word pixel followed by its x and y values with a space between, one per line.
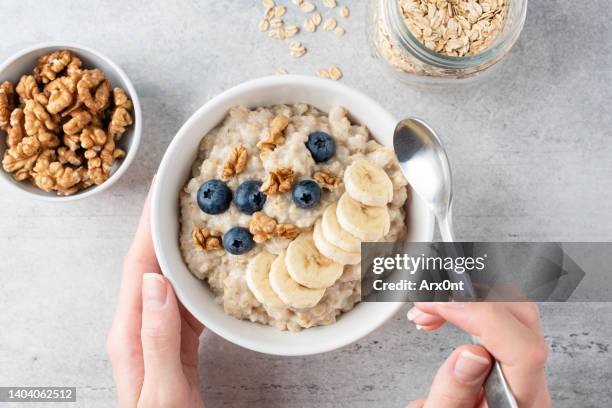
pixel 411 61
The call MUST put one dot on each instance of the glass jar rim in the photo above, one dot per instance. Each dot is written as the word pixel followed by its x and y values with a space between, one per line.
pixel 409 41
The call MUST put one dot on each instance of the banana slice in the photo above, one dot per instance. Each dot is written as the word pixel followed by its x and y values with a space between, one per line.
pixel 289 291
pixel 368 184
pixel 307 266
pixel 366 223
pixel 258 281
pixel 335 234
pixel 331 251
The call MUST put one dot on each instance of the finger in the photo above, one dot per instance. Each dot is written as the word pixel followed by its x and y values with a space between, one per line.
pixel 142 250
pixel 424 321
pixel 191 329
pixel 196 326
pixel 489 321
pixel 430 327
pixel 161 329
pixel 420 403
pixel 526 312
pixel 458 383
pixel 483 401
pixel 543 398
pixel 126 360
pixel 521 351
pixel 139 260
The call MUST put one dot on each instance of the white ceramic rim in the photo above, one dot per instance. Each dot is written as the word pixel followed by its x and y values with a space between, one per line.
pixel 136 136
pixel 387 309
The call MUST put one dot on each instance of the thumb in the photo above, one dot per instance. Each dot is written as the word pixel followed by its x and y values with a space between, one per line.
pixel 161 329
pixel 458 383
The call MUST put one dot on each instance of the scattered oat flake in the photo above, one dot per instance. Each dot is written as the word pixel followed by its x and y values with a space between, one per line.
pixel 329 24
pixel 280 71
pixel 322 73
pixel 268 3
pixel 309 25
pixel 329 3
pixel 316 18
pixel 344 12
pixel 298 53
pixel 339 31
pixel 307 7
pixel 297 2
pixel 297 50
pixel 335 73
pixel 280 11
pixel 264 25
pixel 277 34
pixel 290 31
pixel 276 22
pixel 269 13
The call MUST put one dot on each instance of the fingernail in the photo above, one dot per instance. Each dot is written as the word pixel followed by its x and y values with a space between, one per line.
pixel 419 327
pixel 470 367
pixel 153 290
pixel 413 313
pixel 452 304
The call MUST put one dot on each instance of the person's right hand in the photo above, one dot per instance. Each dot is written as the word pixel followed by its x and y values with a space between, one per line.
pixel 510 332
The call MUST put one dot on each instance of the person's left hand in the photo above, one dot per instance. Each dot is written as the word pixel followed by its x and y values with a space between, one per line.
pixel 153 343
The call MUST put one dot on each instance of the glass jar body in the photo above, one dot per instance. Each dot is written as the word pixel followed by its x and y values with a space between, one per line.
pixel 409 60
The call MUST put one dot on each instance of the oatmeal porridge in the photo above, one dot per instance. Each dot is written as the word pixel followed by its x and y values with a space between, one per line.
pixel 279 200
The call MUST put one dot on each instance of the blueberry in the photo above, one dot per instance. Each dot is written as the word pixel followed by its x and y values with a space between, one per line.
pixel 306 194
pixel 238 240
pixel 214 197
pixel 321 146
pixel 248 198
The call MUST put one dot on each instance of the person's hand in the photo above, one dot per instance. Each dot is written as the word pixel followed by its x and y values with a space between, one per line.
pixel 510 332
pixel 153 343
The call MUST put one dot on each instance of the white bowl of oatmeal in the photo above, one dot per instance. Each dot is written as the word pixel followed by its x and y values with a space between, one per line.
pixel 212 282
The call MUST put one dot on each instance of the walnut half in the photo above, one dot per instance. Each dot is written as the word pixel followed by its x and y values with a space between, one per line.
pixel 120 117
pixel 278 180
pixel 275 135
pixel 235 164
pixel 287 231
pixel 326 179
pixel 264 227
pixel 204 239
pixel 7 95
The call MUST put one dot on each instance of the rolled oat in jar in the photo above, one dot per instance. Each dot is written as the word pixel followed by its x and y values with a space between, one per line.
pixel 442 41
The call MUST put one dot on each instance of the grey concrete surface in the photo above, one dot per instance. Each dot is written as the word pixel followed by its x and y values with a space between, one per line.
pixel 531 150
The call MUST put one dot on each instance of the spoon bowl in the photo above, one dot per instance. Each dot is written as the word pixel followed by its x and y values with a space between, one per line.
pixel 425 164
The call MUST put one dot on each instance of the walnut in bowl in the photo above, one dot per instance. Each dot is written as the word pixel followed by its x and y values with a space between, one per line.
pixel 70 122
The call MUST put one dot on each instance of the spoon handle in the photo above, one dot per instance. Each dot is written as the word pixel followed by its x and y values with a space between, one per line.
pixel 445 224
pixel 497 391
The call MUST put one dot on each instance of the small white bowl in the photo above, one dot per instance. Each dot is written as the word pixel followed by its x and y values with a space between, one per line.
pixel 23 63
pixel 174 172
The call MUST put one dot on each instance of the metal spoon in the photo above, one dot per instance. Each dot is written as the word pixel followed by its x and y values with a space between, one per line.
pixel 424 163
